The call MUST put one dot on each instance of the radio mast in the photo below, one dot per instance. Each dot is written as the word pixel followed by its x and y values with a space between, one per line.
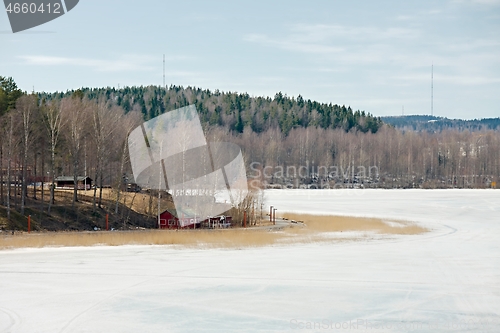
pixel 432 90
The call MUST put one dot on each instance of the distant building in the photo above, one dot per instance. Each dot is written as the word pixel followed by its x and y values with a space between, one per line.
pixel 16 173
pixel 68 182
pixel 217 222
pixel 178 219
pixel 133 187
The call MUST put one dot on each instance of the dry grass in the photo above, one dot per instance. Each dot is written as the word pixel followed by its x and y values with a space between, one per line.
pixel 190 238
pixel 313 231
pixel 325 223
pixel 139 202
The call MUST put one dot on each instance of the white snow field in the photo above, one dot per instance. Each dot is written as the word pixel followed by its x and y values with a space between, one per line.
pixel 447 280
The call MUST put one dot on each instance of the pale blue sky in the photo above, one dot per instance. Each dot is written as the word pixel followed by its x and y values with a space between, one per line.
pixel 372 55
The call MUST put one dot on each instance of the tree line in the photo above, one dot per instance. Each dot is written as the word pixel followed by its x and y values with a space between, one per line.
pixel 314 157
pixel 234 111
pixel 286 142
pixel 72 136
pixel 423 123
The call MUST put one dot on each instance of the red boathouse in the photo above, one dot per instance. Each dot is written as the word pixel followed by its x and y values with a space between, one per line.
pixel 183 219
pixel 178 219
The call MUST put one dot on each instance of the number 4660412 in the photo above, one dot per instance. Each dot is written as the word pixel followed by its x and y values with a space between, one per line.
pixel 32 8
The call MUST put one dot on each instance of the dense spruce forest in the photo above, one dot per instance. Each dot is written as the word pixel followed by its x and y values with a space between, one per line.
pixel 287 142
pixel 436 124
pixel 336 145
pixel 233 110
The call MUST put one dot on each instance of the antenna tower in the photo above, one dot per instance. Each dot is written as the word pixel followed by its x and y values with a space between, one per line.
pixel 432 90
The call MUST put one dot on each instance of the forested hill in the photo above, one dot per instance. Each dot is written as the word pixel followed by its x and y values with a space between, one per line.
pixel 233 110
pixel 438 124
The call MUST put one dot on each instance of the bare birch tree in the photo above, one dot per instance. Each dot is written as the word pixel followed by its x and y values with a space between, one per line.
pixel 105 122
pixel 10 122
pixel 126 125
pixel 75 111
pixel 26 106
pixel 52 119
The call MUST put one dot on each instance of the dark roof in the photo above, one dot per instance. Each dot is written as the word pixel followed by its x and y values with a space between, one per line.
pixel 179 213
pixel 71 178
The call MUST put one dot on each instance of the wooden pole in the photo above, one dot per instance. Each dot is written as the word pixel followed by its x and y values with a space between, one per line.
pixel 107 221
pixel 252 218
pixel 29 223
pixel 271 214
pixel 245 219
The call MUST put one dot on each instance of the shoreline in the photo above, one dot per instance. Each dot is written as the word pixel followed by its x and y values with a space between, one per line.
pixel 315 228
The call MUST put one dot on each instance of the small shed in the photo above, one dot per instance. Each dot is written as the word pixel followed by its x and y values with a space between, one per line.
pixel 217 222
pixel 179 219
pixel 133 187
pixel 68 183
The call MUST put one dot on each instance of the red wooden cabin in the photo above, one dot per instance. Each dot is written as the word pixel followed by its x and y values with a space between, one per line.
pixel 183 219
pixel 177 219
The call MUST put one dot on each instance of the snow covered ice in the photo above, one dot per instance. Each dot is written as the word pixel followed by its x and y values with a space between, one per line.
pixel 446 280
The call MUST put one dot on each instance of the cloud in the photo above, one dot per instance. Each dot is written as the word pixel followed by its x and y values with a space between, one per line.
pixel 464 80
pixel 479 2
pixel 121 64
pixel 293 45
pixel 325 32
pixel 341 44
pixel 488 2
pixel 405 18
pixel 332 39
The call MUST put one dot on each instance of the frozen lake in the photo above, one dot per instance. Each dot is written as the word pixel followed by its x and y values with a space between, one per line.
pixel 447 280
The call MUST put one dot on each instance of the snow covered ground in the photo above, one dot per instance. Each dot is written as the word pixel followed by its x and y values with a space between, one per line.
pixel 447 280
